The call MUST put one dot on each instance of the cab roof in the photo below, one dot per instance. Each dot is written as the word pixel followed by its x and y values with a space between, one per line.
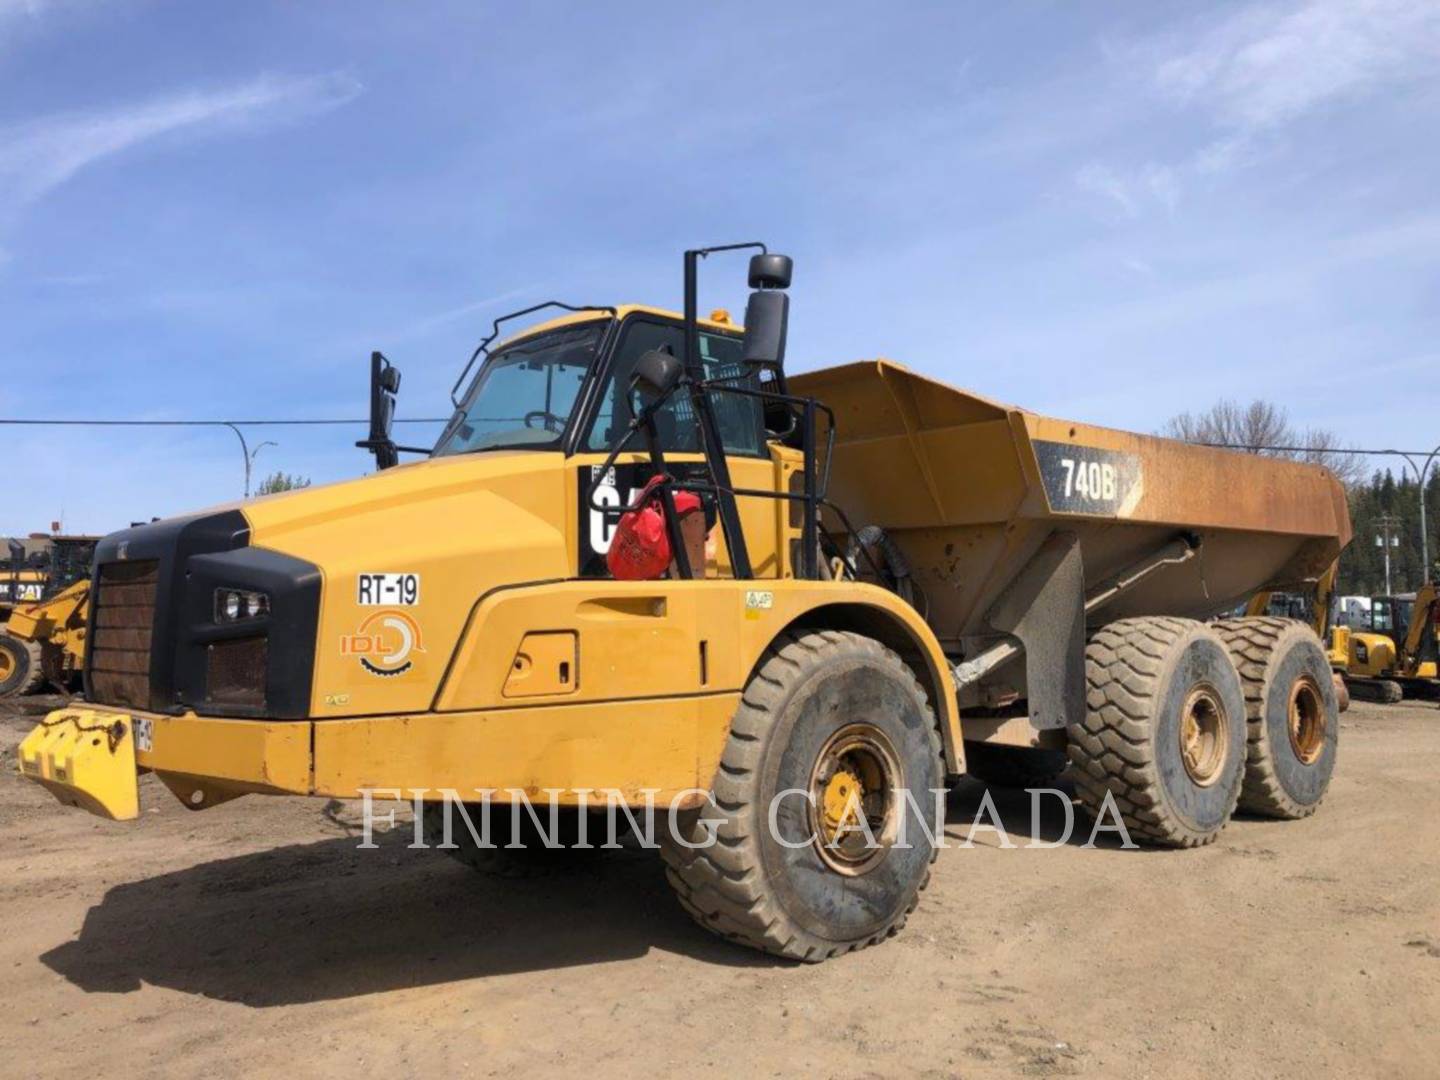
pixel 575 318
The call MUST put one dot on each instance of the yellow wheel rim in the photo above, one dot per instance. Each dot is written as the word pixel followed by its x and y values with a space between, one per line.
pixel 1307 720
pixel 1204 736
pixel 855 798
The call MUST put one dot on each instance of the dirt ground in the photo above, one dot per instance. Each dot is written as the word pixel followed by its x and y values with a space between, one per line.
pixel 255 937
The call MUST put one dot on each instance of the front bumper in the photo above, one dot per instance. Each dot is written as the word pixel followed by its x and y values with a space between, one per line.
pixel 85 759
pixel 92 758
pixel 646 750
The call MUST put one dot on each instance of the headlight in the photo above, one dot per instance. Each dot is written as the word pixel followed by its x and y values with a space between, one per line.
pixel 233 605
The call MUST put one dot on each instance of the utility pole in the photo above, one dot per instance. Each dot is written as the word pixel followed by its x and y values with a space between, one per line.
pixel 1386 538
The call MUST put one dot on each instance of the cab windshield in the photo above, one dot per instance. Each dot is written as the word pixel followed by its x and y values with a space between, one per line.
pixel 523 395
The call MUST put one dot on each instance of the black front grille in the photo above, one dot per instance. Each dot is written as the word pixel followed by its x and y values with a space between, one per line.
pixel 122 619
pixel 235 671
pixel 155 643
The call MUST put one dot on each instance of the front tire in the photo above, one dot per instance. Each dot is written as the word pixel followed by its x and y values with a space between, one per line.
pixel 21 671
pixel 831 728
pixel 1164 730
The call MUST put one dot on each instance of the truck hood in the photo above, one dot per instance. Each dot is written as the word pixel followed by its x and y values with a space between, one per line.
pixel 462 525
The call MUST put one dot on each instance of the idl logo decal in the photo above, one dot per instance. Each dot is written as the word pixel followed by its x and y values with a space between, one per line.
pixel 384 643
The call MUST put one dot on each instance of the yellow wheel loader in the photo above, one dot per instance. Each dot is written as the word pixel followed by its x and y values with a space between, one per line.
pixel 42 612
pixel 53 635
pixel 646 567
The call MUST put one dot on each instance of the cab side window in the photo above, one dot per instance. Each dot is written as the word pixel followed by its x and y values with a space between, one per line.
pixel 740 418
pixel 1380 616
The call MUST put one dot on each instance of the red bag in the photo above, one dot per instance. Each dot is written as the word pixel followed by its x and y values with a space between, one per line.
pixel 640 549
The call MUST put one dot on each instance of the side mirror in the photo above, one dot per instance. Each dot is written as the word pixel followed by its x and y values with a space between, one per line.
pixel 767 316
pixel 384 385
pixel 656 374
pixel 771 271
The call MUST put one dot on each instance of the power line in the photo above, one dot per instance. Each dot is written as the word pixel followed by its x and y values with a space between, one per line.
pixel 1258 447
pixel 233 426
pixel 210 423
pixel 306 421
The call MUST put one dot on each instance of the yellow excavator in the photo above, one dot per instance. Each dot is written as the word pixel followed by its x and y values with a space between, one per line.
pixel 1397 656
pixel 1393 659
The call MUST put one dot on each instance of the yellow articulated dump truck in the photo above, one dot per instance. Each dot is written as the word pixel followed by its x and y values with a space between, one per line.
pixel 642 560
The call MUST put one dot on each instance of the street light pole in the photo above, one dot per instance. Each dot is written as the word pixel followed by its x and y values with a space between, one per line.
pixel 250 460
pixel 1421 472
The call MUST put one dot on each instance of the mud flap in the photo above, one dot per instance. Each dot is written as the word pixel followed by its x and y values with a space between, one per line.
pixel 1045 608
pixel 86 759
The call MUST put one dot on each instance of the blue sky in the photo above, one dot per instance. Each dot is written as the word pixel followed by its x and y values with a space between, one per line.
pixel 1108 212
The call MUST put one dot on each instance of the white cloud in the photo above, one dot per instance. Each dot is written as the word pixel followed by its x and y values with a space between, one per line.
pixel 14 9
pixel 40 155
pixel 1131 191
pixel 1272 63
pixel 1249 74
pixel 423 326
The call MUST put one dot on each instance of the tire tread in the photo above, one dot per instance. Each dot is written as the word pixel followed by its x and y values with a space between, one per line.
pixel 1111 750
pixel 724 887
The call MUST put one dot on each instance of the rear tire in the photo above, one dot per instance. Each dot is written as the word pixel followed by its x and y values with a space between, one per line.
pixel 1292 715
pixel 1164 730
pixel 836 716
pixel 21 670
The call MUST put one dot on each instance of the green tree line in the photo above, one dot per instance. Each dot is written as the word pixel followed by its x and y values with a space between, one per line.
pixel 1362 565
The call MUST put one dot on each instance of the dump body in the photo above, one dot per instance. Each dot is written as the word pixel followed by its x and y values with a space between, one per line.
pixel 970 489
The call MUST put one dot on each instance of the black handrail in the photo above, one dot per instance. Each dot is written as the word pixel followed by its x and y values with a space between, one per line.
pixel 484 346
pixel 814 494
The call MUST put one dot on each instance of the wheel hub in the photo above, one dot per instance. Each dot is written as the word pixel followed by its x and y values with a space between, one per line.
pixel 844 796
pixel 855 800
pixel 1204 735
pixel 1307 720
pixel 7 665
